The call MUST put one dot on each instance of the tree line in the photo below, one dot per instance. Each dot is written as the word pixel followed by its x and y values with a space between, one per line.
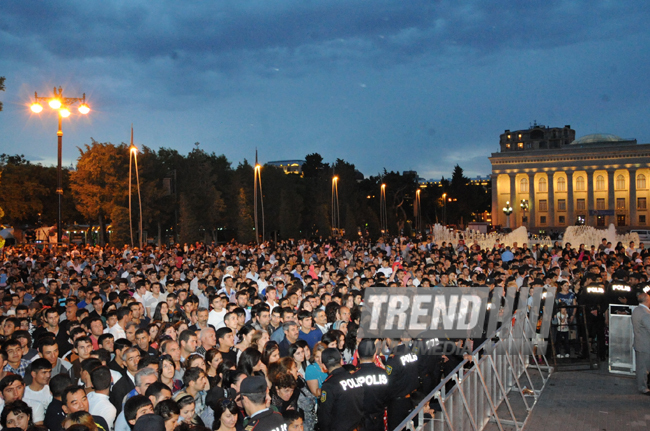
pixel 201 196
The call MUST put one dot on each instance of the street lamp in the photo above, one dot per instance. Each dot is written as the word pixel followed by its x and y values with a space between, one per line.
pixel 62 106
pixel 257 182
pixel 507 210
pixel 524 207
pixel 383 213
pixel 417 211
pixel 335 205
pixel 444 209
pixel 133 156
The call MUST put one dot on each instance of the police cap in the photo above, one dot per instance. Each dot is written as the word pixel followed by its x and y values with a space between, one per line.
pixel 253 385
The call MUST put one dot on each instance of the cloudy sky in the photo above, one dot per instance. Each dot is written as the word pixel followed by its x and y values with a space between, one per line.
pixel 402 85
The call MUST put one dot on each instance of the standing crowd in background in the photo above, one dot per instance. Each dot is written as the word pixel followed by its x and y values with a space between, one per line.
pixel 265 337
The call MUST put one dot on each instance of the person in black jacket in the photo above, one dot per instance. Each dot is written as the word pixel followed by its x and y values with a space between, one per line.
pixel 403 381
pixel 341 400
pixel 375 387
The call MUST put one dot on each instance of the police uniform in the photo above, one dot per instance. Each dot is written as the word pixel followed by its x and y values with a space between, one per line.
pixel 594 298
pixel 341 402
pixel 266 420
pixel 375 394
pixel 620 292
pixel 403 380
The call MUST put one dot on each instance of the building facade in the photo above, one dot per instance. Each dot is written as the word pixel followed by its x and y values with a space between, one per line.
pixel 596 180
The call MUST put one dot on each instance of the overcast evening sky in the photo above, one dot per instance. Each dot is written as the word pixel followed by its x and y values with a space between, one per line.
pixel 402 85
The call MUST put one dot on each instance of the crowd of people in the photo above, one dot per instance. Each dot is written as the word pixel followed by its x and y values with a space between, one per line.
pixel 232 337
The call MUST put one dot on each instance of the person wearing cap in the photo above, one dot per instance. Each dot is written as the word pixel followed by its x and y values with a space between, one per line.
pixel 253 392
pixel 375 384
pixel 342 396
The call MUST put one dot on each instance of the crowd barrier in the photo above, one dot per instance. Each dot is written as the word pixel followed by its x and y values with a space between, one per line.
pixel 502 365
pixel 621 337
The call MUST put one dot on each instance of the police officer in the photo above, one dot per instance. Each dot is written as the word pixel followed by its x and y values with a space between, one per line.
pixel 341 399
pixel 594 298
pixel 253 391
pixel 403 381
pixel 375 384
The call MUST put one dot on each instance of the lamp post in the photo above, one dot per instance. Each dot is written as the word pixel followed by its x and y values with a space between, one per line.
pixel 383 213
pixel 444 209
pixel 335 205
pixel 507 210
pixel 62 105
pixel 257 182
pixel 417 211
pixel 524 207
pixel 133 156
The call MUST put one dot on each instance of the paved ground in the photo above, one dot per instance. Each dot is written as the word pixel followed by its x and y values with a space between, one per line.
pixel 590 400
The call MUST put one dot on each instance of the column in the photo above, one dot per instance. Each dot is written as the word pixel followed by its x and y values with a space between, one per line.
pixel 531 201
pixel 495 200
pixel 551 201
pixel 513 196
pixel 590 221
pixel 632 196
pixel 570 216
pixel 611 200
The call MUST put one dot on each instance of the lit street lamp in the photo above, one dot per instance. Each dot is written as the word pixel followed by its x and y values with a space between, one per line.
pixel 524 207
pixel 257 182
pixel 417 211
pixel 133 151
pixel 507 210
pixel 335 206
pixel 444 209
pixel 62 105
pixel 383 213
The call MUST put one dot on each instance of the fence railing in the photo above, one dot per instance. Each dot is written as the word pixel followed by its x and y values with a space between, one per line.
pixel 499 368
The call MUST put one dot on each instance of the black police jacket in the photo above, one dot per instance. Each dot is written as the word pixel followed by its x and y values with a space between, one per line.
pixel 341 402
pixel 402 370
pixel 375 385
pixel 267 420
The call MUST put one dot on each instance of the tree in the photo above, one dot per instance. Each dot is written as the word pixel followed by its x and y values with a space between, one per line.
pixel 2 88
pixel 100 182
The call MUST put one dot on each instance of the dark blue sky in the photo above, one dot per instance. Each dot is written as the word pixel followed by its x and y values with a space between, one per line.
pixel 404 84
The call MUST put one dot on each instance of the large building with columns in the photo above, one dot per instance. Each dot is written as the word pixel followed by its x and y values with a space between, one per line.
pixel 595 180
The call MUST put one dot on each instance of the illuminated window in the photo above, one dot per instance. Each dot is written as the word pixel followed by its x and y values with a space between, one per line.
pixel 523 185
pixel 620 203
pixel 520 136
pixel 600 182
pixel 580 184
pixel 542 185
pixel 561 184
pixel 507 145
pixel 620 182
pixel 543 205
pixel 520 145
pixel 641 204
pixel 640 181
pixel 508 136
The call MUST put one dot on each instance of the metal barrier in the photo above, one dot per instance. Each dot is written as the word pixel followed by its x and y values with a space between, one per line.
pixel 499 368
pixel 572 336
pixel 621 338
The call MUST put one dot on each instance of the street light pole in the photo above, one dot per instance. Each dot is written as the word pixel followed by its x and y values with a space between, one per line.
pixel 507 210
pixel 62 106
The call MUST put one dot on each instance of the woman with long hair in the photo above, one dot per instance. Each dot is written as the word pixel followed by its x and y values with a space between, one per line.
pixel 271 353
pixel 226 414
pixel 166 370
pixel 213 358
pixel 186 404
pixel 246 334
pixel 195 360
pixel 169 411
pixel 162 312
pixel 314 374
pixel 259 339
pixel 251 360
pixel 298 354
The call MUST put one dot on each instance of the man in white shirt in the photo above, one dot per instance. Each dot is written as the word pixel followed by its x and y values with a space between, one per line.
pixel 98 400
pixel 151 299
pixel 215 318
pixel 37 395
pixel 119 329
